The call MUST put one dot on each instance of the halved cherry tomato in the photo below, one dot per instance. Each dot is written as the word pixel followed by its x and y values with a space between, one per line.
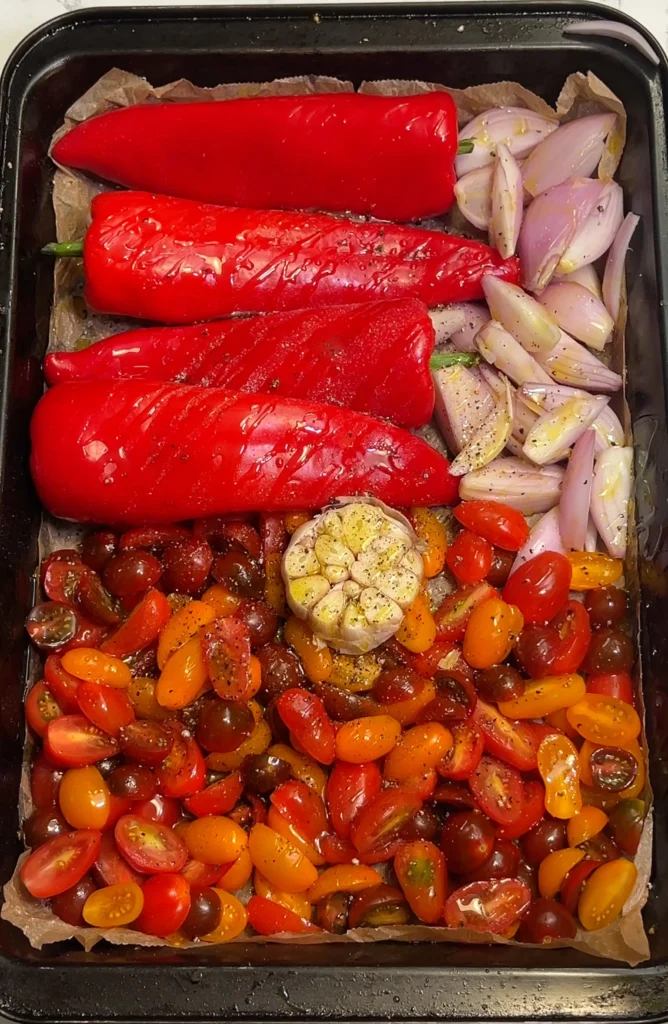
pixel 110 868
pixel 574 880
pixel 62 685
pixel 302 807
pixel 152 536
pixel 532 812
pixel 183 676
pixel 306 718
pixel 383 819
pixel 502 526
pixel 269 918
pixel 105 706
pixel 227 656
pixel 114 906
pixel 218 798
pixel 84 798
pixel 559 768
pixel 558 722
pixel 592 569
pixel 574 632
pixel 280 861
pixel 183 771
pixel 417 631
pixel 464 756
pixel 73 742
pixel 444 655
pixel 605 892
pixel 61 574
pixel 41 708
pixel 164 810
pixel 294 836
pixel 343 878
pixel 257 743
pixel 166 904
pixel 491 633
pixel 233 919
pixel 215 839
pixel 199 874
pixel 141 694
pixel 540 586
pixel 147 742
pixel 317 660
pixel 588 822
pixel 367 739
pixel 341 851
pixel 409 710
pixel 453 615
pixel 420 870
pixel 612 684
pixel 542 696
pixel 148 846
pixel 94 666
pixel 303 768
pixel 489 906
pixel 236 876
pixel 350 787
pixel 514 742
pixel 605 721
pixel 182 626
pixel 222 600
pixel 469 557
pixel 296 901
pixel 141 627
pixel 498 789
pixel 554 868
pixel 60 863
pixel 51 626
pixel 431 532
pixel 418 751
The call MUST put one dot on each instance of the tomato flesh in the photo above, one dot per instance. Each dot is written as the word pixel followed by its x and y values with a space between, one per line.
pixel 73 742
pixel 498 788
pixel 60 863
pixel 148 846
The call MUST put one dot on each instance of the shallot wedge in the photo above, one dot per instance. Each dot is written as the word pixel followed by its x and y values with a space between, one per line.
pixel 610 497
pixel 595 236
pixel 555 432
pixel 446 321
pixel 507 203
pixel 518 128
pixel 613 277
pixel 578 312
pixel 499 348
pixel 574 150
pixel 515 482
pixel 586 276
pixel 544 536
pixel 476 316
pixel 463 403
pixel 571 363
pixel 521 315
pixel 490 438
pixel 576 493
pixel 609 430
pixel 473 193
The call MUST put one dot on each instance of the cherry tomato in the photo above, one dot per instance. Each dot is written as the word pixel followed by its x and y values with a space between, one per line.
pixel 417 631
pixel 574 633
pixel 303 808
pixel 223 725
pixel 543 696
pixel 409 710
pixel 588 822
pixel 491 633
pixel 467 840
pixel 382 906
pixel 44 783
pixel 514 742
pixel 501 863
pixel 112 869
pixel 545 837
pixel 164 810
pixel 317 660
pixel 62 685
pixel 236 876
pixel 146 742
pixel 280 861
pixel 593 569
pixel 152 537
pixel 350 788
pixel 51 624
pixel 215 839
pixel 43 825
pixel 380 821
pixel 574 880
pixel 98 548
pixel 499 683
pixel 89 635
pixel 420 870
pixel 264 772
pixel 227 656
pixel 166 904
pixel 131 572
pixel 546 920
pixel 559 768
pixel 502 526
pixel 498 789
pixel 444 655
pixel 610 650
pixel 489 906
pixel 453 615
pixel 269 918
pixel 464 755
pixel 41 708
pixel 257 743
pixel 186 565
pixel 332 913
pixel 607 606
pixel 149 847
pixel 114 906
pixel 105 706
pixel 612 684
pixel 205 913
pixel 613 769
pixel 61 574
pixel 60 863
pixel 454 700
pixel 626 825
pixel 540 586
pixel 219 798
pixel 183 771
pixel 469 557
pixel 181 627
pixel 73 742
pixel 343 878
pixel 68 905
pixel 418 751
pixel 141 628
pixel 183 676
pixel 605 721
pixel 554 868
pixel 533 810
pixel 605 892
pixel 367 739
pixel 94 666
pixel 84 798
pixel 431 532
pixel 305 716
pixel 96 603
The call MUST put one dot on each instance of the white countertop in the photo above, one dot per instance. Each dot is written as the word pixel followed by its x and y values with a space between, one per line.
pixel 18 17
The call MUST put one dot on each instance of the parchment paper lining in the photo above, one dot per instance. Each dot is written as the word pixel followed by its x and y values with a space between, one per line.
pixel 73 327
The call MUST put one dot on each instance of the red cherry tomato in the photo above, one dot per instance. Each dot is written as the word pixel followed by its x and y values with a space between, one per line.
pixel 572 885
pixel 574 633
pixel 183 772
pixel 469 557
pixel 107 707
pixel 141 627
pixel 516 743
pixel 383 819
pixel 489 906
pixel 61 578
pixel 429 663
pixel 62 685
pixel 502 526
pixel 612 684
pixel 112 869
pixel 73 741
pixel 269 918
pixel 226 645
pixel 166 905
pixel 60 863
pixel 199 874
pixel 351 787
pixel 118 806
pixel 302 807
pixel 499 790
pixel 88 634
pixel 305 716
pixel 533 810
pixel 44 783
pixel 149 847
pixel 219 798
pixel 164 810
pixel 41 708
pixel 464 755
pixel 152 537
pixel 453 615
pixel 539 588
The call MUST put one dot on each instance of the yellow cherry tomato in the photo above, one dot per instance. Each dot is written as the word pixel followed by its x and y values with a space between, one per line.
pixel 141 694
pixel 84 799
pixel 215 839
pixel 586 823
pixel 431 532
pixel 295 901
pixel 114 905
pixel 316 659
pixel 183 625
pixel 592 569
pixel 491 633
pixel 279 860
pixel 367 739
pixel 284 828
pixel 96 667
pixel 233 918
pixel 343 878
pixel 183 676
pixel 418 750
pixel 304 768
pixel 354 673
pixel 605 892
pixel 554 868
pixel 606 721
pixel 417 632
pixel 559 769
pixel 238 874
pixel 408 711
pixel 257 743
pixel 543 696
pixel 222 600
pixel 559 721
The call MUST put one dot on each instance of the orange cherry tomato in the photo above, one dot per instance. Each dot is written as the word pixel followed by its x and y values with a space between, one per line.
pixel 605 721
pixel 559 721
pixel 559 768
pixel 83 797
pixel 304 768
pixel 491 633
pixel 317 661
pixel 226 647
pixel 96 667
pixel 605 893
pixel 554 868
pixel 215 839
pixel 586 823
pixel 418 750
pixel 184 624
pixel 233 918
pixel 417 632
pixel 420 870
pixel 114 905
pixel 408 711
pixel 431 532
pixel 298 902
pixel 222 600
pixel 367 739
pixel 543 696
pixel 290 832
pixel 279 860
pixel 183 676
pixel 343 878
pixel 238 874
pixel 592 569
pixel 258 741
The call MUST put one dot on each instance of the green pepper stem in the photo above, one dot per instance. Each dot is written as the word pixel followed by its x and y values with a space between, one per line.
pixel 465 146
pixel 63 249
pixel 439 360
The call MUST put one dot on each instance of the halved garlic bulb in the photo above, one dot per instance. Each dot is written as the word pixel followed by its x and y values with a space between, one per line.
pixel 352 571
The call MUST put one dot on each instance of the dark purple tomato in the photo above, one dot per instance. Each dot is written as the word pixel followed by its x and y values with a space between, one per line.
pixel 607 606
pixel 467 841
pixel 343 705
pixel 131 572
pixel 97 603
pixel 98 548
pixel 397 684
pixel 146 742
pixel 609 651
pixel 239 573
pixel 260 620
pixel 50 625
pixel 186 565
pixel 264 772
pixel 613 769
pixel 626 824
pixel 502 863
pixel 223 725
pixel 545 837
pixel 205 912
pixel 502 563
pixel 501 682
pixel 424 824
pixel 545 920
pixel 42 826
pixel 281 670
pixel 133 780
pixel 68 905
pixel 381 906
pixel 331 913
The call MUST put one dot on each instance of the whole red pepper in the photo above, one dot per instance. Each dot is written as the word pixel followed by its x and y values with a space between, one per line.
pixel 137 452
pixel 388 156
pixel 176 261
pixel 373 357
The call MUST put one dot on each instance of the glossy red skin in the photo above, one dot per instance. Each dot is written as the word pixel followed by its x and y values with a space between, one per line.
pixel 502 526
pixel 44 783
pixel 142 536
pixel 219 798
pixel 163 809
pixel 508 898
pixel 469 557
pixel 499 790
pixel 341 851
pixel 334 151
pixel 141 627
pixel 540 586
pixel 183 772
pixel 328 355
pixel 382 819
pixel 453 615
pixel 302 807
pixel 517 743
pixel 571 887
pixel 350 787
pixel 166 905
pixel 305 716
pixel 573 635
pixel 62 685
pixel 467 748
pixel 111 868
pixel 44 874
pixel 72 741
pixel 533 809
pixel 269 918
pixel 271 454
pixel 612 684
pixel 107 707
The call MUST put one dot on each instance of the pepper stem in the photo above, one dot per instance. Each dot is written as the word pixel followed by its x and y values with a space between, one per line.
pixel 465 146
pixel 440 360
pixel 63 249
